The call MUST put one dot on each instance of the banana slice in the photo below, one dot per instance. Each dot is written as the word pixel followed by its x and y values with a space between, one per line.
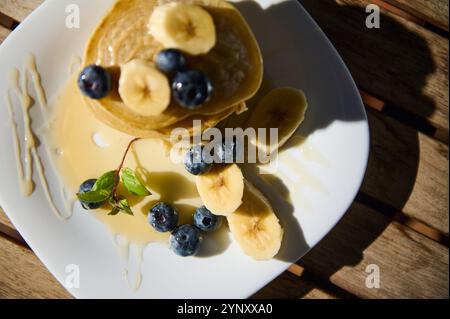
pixel 255 226
pixel 183 26
pixel 143 88
pixel 282 108
pixel 221 189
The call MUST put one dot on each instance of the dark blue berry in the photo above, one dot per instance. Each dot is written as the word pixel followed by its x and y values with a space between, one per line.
pixel 94 82
pixel 191 89
pixel 197 162
pixel 185 240
pixel 163 217
pixel 205 220
pixel 170 61
pixel 87 187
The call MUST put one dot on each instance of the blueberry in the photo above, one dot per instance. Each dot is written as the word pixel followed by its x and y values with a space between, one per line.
pixel 229 151
pixel 191 89
pixel 205 220
pixel 163 217
pixel 94 82
pixel 87 187
pixel 185 240
pixel 170 61
pixel 196 162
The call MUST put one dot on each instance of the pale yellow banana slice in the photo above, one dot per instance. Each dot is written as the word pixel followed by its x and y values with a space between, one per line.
pixel 187 27
pixel 255 226
pixel 221 189
pixel 143 88
pixel 282 108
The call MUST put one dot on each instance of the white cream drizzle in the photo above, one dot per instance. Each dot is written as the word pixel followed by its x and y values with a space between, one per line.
pixel 27 186
pixel 19 85
pixel 24 186
pixel 31 67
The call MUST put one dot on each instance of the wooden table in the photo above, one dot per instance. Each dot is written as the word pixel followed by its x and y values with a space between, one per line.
pixel 399 220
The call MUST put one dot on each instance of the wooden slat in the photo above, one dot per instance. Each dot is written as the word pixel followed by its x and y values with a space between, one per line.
pixel 411 265
pixel 7 229
pixel 18 9
pixel 3 33
pixel 401 63
pixel 408 170
pixel 434 12
pixel 315 293
pixel 289 286
pixel 399 12
pixel 4 220
pixel 22 275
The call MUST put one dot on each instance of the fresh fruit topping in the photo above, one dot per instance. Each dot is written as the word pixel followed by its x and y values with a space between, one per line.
pixel 94 82
pixel 196 161
pixel 163 217
pixel 185 240
pixel 86 187
pixel 282 108
pixel 255 226
pixel 183 26
pixel 170 61
pixel 205 220
pixel 221 189
pixel 143 88
pixel 191 89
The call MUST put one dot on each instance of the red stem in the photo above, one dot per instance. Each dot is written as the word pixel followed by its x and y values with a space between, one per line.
pixel 116 177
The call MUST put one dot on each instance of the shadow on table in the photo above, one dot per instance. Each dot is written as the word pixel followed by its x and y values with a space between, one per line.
pixel 393 163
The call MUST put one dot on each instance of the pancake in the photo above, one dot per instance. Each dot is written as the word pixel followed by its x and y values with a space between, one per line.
pixel 234 65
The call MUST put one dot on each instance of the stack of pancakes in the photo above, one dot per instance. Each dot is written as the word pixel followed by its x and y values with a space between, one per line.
pixel 234 66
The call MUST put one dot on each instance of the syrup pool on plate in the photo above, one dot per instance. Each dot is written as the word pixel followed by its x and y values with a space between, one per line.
pixel 85 148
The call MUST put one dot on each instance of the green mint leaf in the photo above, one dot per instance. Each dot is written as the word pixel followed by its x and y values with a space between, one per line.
pixel 133 184
pixel 94 196
pixel 125 206
pixel 105 182
pixel 114 211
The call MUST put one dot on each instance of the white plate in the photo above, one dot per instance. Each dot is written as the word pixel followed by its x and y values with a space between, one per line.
pixel 297 54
